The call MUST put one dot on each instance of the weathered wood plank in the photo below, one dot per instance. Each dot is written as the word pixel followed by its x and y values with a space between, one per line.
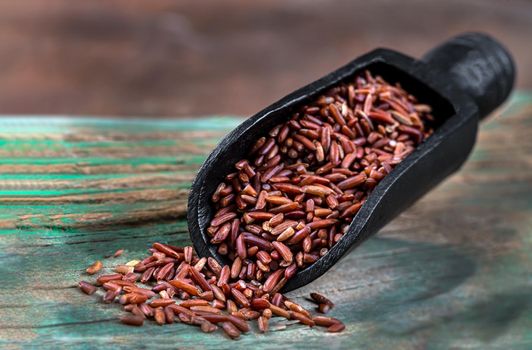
pixel 454 271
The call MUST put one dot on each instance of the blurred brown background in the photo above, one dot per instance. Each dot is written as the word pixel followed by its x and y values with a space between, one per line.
pixel 187 58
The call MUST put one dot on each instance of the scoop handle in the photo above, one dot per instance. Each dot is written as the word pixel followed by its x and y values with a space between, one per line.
pixel 479 65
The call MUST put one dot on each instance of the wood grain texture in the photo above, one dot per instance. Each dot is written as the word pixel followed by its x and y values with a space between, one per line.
pixel 189 57
pixel 451 272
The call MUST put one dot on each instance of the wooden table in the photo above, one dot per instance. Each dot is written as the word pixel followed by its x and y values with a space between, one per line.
pixel 451 272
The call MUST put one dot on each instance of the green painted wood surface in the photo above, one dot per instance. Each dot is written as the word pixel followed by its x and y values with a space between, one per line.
pixel 454 271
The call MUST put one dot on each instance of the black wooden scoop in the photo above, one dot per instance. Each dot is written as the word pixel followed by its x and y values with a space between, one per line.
pixel 464 80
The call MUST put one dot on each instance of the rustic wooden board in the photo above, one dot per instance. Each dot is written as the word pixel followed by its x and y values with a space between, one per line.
pixel 454 271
